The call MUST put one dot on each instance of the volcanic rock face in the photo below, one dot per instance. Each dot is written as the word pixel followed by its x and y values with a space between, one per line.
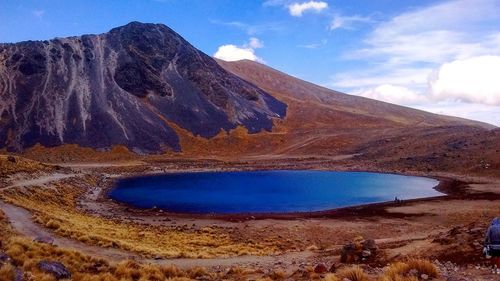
pixel 122 87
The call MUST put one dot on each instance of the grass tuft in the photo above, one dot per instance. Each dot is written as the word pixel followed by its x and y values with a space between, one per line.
pixel 354 273
pixel 330 277
pixel 423 267
pixel 410 270
pixel 7 272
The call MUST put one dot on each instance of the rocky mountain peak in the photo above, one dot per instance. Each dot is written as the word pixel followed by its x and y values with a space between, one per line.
pixel 124 87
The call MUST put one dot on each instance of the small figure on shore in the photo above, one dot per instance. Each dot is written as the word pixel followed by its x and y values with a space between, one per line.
pixel 492 245
pixel 398 201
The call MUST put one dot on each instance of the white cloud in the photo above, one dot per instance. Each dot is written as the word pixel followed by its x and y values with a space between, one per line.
pixel 339 21
pixel 393 94
pixel 409 77
pixel 480 112
pixel 442 58
pixel 297 9
pixel 466 88
pixel 435 34
pixel 232 52
pixel 473 80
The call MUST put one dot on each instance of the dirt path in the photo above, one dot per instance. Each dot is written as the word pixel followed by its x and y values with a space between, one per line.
pixel 21 221
pixel 40 180
pixel 86 165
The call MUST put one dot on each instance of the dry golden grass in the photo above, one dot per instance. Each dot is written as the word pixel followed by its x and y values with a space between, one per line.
pixel 26 255
pixel 423 267
pixel 7 272
pixel 74 152
pixel 230 144
pixel 400 271
pixel 277 275
pixel 354 273
pixel 56 209
pixel 330 277
pixel 21 165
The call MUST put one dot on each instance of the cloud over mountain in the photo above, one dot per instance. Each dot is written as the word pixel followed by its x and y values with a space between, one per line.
pixel 231 52
pixel 443 53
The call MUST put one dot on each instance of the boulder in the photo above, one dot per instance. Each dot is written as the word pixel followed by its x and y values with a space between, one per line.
pixel 320 268
pixel 333 268
pixel 55 268
pixel 361 250
pixel 4 258
pixel 349 253
pixel 18 276
pixel 44 239
pixel 370 245
pixel 11 158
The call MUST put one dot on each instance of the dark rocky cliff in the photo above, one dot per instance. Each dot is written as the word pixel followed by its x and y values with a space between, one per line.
pixel 123 87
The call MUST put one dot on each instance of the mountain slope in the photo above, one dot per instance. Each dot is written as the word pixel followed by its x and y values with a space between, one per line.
pixel 377 135
pixel 125 87
pixel 144 87
pixel 305 94
pixel 322 122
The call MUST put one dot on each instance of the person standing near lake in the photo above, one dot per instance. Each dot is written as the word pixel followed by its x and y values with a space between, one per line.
pixel 492 244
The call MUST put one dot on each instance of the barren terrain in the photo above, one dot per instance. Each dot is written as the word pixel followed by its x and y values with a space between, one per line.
pixel 67 205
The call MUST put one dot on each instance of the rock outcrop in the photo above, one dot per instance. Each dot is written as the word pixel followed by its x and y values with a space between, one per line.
pixel 125 87
pixel 57 269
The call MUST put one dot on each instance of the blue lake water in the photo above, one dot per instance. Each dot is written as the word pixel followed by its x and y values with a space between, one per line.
pixel 267 191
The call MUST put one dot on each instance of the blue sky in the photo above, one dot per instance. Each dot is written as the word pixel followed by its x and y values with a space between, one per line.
pixel 440 56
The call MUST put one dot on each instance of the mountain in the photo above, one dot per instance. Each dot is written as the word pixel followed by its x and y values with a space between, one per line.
pixel 321 121
pixel 370 134
pixel 144 87
pixel 132 86
pixel 303 94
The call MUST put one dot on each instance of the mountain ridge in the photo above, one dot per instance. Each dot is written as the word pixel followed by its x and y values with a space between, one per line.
pixel 249 71
pixel 144 87
pixel 87 89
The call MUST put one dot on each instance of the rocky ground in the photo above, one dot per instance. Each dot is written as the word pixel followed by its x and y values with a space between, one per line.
pixel 447 231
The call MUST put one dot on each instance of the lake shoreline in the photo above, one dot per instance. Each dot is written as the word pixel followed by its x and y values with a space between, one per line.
pixel 401 230
pixel 451 187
